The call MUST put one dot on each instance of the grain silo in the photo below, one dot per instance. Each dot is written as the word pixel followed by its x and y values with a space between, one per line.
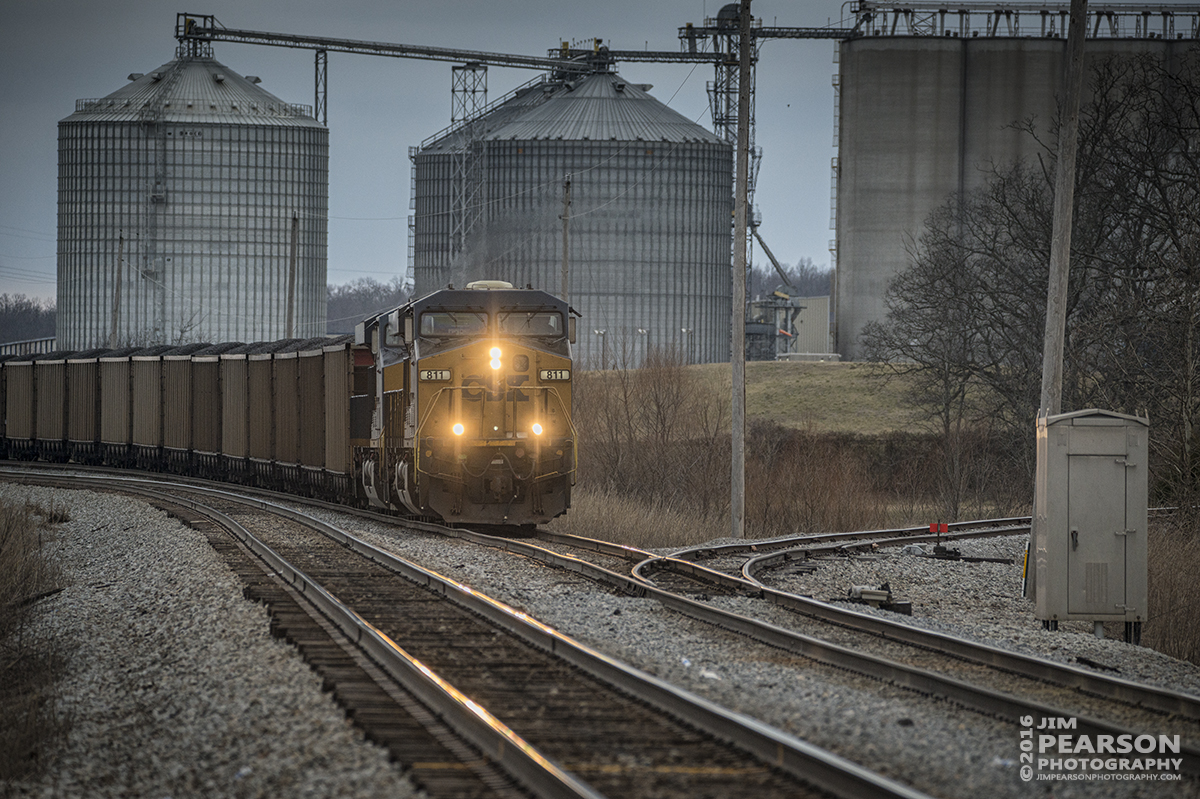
pixel 192 206
pixel 930 101
pixel 648 225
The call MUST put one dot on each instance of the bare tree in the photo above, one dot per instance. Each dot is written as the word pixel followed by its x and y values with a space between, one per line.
pixel 965 319
pixel 804 279
pixel 349 303
pixel 23 318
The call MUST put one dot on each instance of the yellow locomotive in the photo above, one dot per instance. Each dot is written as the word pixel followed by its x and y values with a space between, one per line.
pixel 470 407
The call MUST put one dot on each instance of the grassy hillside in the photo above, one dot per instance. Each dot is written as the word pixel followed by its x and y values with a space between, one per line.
pixel 826 397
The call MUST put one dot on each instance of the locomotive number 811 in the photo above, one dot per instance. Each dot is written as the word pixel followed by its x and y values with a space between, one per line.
pixel 470 412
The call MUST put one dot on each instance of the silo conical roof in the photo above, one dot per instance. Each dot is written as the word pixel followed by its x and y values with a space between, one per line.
pixel 651 199
pixel 193 206
pixel 602 107
pixel 193 89
pixel 597 107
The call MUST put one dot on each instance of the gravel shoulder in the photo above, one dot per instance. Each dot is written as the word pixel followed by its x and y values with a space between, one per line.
pixel 936 747
pixel 173 685
pixel 175 688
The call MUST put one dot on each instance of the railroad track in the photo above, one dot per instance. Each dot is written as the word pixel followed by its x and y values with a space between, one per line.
pixel 560 719
pixel 1055 689
pixel 990 680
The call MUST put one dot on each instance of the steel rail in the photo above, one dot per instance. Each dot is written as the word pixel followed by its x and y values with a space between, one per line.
pixel 969 529
pixel 922 538
pixel 981 699
pixel 1066 676
pixel 1113 688
pixel 806 762
pixel 803 760
pixel 469 719
pixel 986 527
pixel 1140 695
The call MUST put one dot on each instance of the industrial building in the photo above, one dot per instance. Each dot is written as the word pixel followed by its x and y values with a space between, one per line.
pixel 786 328
pixel 928 97
pixel 193 203
pixel 641 196
pixel 192 206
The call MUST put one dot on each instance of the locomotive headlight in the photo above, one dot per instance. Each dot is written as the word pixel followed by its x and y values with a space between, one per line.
pixel 537 429
pixel 458 428
pixel 495 353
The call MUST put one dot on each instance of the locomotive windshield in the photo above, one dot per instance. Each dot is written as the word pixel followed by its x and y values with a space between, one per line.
pixel 531 323
pixel 453 323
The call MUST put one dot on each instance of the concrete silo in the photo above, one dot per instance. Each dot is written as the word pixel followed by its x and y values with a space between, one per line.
pixel 192 206
pixel 927 112
pixel 649 231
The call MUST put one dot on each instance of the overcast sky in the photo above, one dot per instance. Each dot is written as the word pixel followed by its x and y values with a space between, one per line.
pixel 54 52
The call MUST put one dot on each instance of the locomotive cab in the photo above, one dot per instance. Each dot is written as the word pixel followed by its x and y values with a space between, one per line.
pixel 473 405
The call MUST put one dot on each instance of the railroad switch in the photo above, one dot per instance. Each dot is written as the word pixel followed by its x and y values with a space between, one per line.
pixel 945 553
pixel 880 597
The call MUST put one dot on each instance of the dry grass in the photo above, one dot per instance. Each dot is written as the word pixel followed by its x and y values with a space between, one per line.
pixel 815 396
pixel 830 447
pixel 606 516
pixel 1173 624
pixel 27 660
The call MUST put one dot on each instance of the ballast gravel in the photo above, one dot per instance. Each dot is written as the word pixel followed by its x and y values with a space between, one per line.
pixel 173 686
pixel 933 746
pixel 256 724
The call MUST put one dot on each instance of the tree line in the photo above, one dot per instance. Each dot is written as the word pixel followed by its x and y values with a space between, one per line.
pixel 23 318
pixel 966 318
pixel 804 279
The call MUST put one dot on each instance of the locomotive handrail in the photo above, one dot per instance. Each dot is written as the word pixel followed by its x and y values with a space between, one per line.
pixel 550 391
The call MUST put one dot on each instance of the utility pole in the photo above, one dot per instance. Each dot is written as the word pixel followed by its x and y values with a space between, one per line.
pixel 1060 245
pixel 116 312
pixel 737 505
pixel 1064 200
pixel 291 285
pixel 566 235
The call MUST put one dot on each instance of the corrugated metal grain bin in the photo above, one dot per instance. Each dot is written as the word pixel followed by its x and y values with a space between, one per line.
pixel 339 382
pixel 19 408
pixel 926 117
pixel 311 391
pixel 235 403
pixel 50 380
pixel 651 200
pixel 215 191
pixel 206 398
pixel 83 397
pixel 116 411
pixel 287 406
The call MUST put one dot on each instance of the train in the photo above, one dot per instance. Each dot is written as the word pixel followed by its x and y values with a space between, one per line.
pixel 455 406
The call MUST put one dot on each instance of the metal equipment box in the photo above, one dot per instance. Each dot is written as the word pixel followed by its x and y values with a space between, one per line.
pixel 1089 533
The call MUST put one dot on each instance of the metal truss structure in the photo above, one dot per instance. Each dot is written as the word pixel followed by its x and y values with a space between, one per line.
pixel 975 19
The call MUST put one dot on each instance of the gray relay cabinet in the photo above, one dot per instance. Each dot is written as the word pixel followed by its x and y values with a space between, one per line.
pixel 1089 533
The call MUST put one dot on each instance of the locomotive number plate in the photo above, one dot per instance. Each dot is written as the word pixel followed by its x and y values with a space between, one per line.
pixel 435 374
pixel 554 374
